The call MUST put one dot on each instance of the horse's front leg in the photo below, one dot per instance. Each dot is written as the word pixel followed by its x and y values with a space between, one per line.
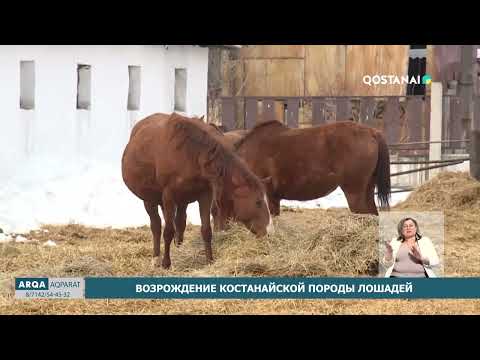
pixel 156 228
pixel 205 203
pixel 180 223
pixel 218 214
pixel 169 215
pixel 219 219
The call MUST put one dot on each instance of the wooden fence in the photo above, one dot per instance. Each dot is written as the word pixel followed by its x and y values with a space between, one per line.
pixel 403 119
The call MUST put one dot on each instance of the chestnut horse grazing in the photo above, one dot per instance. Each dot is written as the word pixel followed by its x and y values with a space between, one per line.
pixel 172 161
pixel 309 163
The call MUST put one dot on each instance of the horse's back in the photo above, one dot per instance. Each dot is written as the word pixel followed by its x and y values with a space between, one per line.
pixel 146 155
pixel 146 134
pixel 347 134
pixel 304 160
pixel 344 144
pixel 147 122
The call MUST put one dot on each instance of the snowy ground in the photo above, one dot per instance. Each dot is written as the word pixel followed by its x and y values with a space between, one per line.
pixel 46 191
pixel 337 199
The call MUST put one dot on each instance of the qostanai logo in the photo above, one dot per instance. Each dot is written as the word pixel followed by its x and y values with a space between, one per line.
pixel 31 283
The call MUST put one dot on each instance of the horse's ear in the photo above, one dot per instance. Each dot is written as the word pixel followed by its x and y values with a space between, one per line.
pixel 201 118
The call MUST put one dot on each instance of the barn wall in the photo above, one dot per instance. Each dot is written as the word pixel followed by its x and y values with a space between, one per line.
pixel 325 70
pixel 446 61
pixel 432 68
pixel 444 65
pixel 273 51
pixel 322 70
pixel 285 77
pixel 55 128
pixel 255 77
pixel 372 60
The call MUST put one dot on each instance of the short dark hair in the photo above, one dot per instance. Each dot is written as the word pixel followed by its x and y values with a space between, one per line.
pixel 418 236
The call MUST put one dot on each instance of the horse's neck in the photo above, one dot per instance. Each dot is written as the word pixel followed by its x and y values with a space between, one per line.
pixel 215 170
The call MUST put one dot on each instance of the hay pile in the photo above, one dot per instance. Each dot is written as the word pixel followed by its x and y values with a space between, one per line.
pixel 457 195
pixel 449 191
pixel 307 243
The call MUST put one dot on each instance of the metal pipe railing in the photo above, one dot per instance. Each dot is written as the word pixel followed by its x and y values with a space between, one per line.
pixel 427 161
pixel 429 142
pixel 426 168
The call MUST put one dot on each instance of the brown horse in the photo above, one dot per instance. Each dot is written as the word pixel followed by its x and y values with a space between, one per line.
pixel 172 161
pixel 305 164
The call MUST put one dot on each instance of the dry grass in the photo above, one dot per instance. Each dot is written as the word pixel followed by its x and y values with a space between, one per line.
pixel 449 191
pixel 307 243
pixel 458 196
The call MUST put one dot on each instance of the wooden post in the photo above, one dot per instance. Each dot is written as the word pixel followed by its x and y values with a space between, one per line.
pixel 475 154
pixel 475 134
pixel 466 85
pixel 475 141
pixel 466 89
pixel 435 152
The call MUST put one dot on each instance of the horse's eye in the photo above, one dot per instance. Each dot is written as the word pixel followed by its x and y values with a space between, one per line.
pixel 259 203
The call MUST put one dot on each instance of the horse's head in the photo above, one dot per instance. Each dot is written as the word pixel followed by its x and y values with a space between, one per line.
pixel 250 205
pixel 237 193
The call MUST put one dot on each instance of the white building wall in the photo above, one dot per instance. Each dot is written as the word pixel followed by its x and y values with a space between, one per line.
pixel 56 130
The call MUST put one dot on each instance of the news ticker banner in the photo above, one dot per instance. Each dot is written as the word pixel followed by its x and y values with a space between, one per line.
pixel 246 288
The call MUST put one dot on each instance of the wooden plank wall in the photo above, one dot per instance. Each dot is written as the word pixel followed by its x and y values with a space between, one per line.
pixel 285 77
pixel 321 70
pixel 432 68
pixel 325 70
pixel 273 52
pixel 445 63
pixel 372 60
pixel 255 77
pixel 277 77
pixel 310 70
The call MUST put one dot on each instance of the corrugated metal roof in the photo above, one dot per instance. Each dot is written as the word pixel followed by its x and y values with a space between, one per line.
pixel 417 53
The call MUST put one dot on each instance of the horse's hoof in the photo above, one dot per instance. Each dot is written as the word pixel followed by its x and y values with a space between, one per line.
pixel 166 264
pixel 156 261
pixel 178 242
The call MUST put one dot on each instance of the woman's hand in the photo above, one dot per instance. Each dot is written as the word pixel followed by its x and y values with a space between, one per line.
pixel 416 254
pixel 389 251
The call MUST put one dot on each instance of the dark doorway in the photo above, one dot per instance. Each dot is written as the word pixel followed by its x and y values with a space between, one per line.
pixel 417 66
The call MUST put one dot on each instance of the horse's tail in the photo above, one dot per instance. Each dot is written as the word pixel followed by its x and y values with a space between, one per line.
pixel 382 172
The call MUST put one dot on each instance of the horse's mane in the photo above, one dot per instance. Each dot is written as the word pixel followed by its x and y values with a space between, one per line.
pixel 196 140
pixel 255 129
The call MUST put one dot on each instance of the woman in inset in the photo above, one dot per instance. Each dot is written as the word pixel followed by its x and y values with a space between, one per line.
pixel 410 254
